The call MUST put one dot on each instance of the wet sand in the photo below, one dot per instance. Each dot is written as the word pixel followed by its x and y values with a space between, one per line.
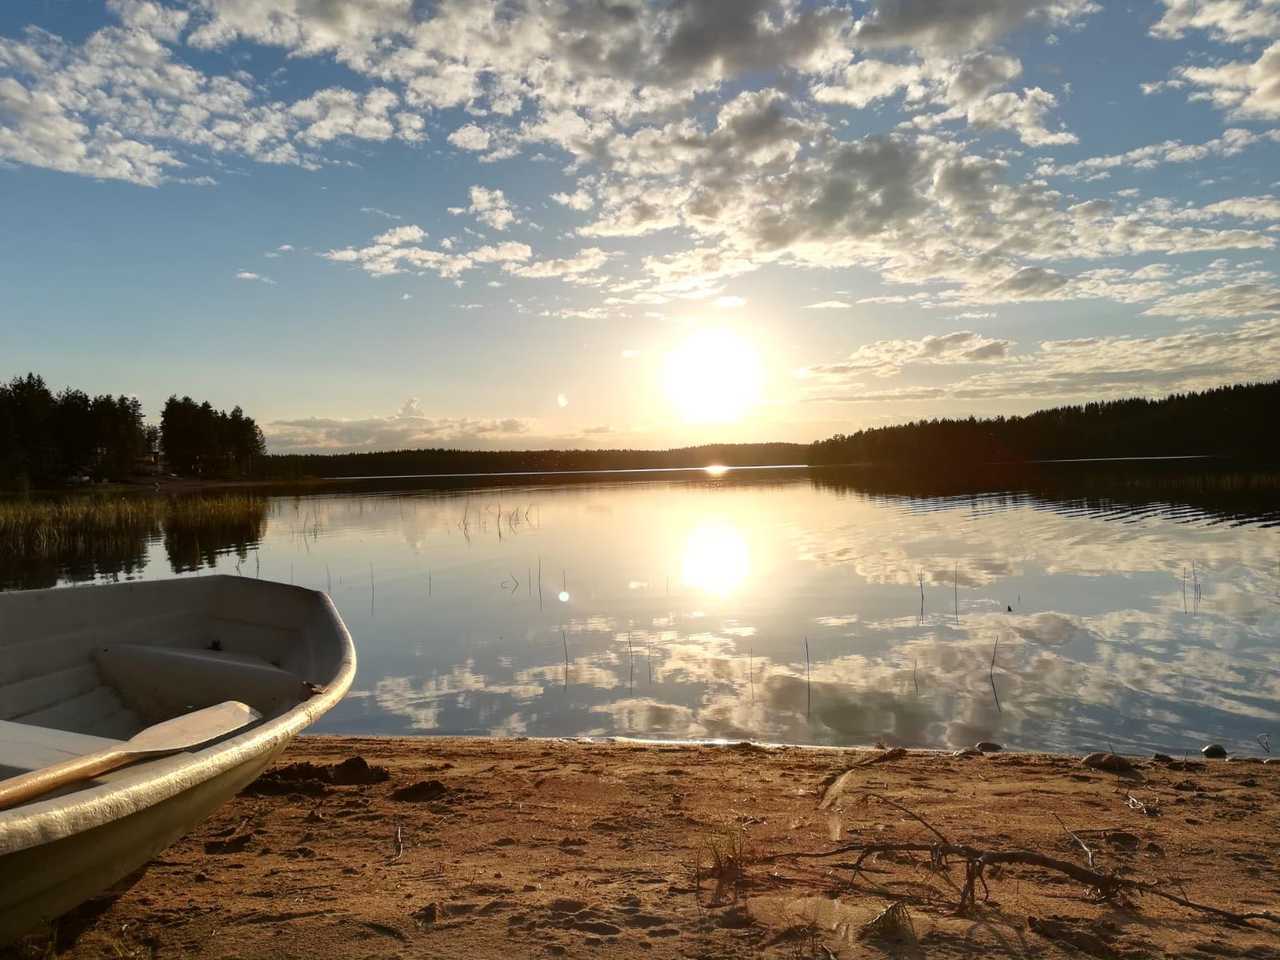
pixel 528 848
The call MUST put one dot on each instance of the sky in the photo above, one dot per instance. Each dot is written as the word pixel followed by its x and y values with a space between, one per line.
pixel 613 223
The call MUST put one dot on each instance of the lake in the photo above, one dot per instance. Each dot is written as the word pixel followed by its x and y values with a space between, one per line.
pixel 777 605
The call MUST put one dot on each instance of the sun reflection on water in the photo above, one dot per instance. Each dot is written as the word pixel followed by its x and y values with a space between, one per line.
pixel 716 558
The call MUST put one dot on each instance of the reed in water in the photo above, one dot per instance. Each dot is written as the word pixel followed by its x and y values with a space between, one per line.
pixel 39 527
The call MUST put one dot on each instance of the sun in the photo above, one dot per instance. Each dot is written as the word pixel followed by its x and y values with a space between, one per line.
pixel 714 376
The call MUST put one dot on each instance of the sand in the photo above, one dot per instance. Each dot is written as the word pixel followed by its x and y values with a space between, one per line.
pixel 534 848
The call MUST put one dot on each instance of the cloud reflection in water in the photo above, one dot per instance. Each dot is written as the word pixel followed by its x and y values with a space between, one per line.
pixel 690 602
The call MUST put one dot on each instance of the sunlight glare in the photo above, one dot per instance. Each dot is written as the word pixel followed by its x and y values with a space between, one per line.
pixel 716 558
pixel 716 469
pixel 714 376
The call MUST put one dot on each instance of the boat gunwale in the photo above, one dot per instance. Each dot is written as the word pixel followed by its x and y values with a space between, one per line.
pixel 45 821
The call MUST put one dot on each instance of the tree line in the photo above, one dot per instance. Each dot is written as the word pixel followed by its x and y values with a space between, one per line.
pixel 1230 422
pixel 198 440
pixel 46 438
pixel 49 438
pixel 401 463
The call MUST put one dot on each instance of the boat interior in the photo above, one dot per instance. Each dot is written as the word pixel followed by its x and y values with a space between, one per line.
pixel 84 668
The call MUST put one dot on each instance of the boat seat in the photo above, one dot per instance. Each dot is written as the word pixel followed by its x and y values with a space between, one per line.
pixel 24 747
pixel 162 682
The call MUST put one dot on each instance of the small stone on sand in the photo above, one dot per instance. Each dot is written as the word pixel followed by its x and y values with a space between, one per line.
pixel 1110 762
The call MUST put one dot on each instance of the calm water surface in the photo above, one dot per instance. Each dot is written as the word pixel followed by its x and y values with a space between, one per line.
pixel 779 608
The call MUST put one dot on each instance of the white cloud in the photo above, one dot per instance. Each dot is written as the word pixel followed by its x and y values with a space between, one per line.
pixel 1231 143
pixel 1247 208
pixel 1023 113
pixel 399 250
pixel 642 107
pixel 1093 368
pixel 608 58
pixel 470 137
pixel 865 81
pixel 39 132
pixel 501 253
pixel 409 427
pixel 1229 21
pixel 490 207
pixel 335 113
pixel 120 106
pixel 828 305
pixel 962 25
pixel 573 268
pixel 250 275
pixel 1235 300
pixel 916 208
pixel 1245 89
pixel 886 358
pixel 964 88
pixel 578 200
pixel 409 233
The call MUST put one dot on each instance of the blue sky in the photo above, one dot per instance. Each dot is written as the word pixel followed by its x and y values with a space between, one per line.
pixel 570 222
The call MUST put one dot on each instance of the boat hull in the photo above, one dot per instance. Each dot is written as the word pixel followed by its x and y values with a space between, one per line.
pixel 61 875
pixel 60 851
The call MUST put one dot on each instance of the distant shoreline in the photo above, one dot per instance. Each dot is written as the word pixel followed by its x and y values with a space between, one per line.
pixel 1013 470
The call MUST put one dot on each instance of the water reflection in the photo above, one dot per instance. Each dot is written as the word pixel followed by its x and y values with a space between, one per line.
pixel 191 546
pixel 716 558
pixel 640 609
pixel 122 547
pixel 120 556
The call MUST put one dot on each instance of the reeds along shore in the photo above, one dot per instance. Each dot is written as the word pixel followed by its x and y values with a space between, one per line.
pixel 48 527
pixel 87 538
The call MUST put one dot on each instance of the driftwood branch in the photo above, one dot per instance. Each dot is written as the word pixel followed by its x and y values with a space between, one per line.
pixel 1088 850
pixel 976 861
pixel 912 814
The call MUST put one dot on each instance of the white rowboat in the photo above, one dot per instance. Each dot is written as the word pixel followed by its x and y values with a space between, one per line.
pixel 83 669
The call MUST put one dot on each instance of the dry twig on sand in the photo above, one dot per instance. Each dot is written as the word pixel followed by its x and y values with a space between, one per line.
pixel 399 845
pixel 1088 851
pixel 1106 886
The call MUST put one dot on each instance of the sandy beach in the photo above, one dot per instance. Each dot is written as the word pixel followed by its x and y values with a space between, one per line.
pixel 355 847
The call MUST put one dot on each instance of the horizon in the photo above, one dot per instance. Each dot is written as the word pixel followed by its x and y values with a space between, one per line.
pixel 154 420
pixel 641 227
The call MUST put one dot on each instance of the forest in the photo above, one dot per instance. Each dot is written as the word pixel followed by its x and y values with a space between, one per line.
pixel 394 463
pixel 48 439
pixel 199 441
pixel 1230 422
